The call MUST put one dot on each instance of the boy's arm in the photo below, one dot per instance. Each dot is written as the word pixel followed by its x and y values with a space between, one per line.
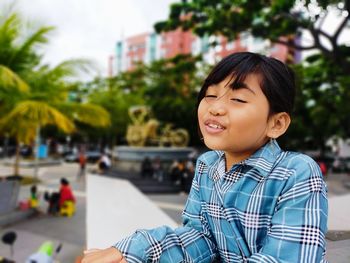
pixel 190 243
pixel 102 256
pixel 298 227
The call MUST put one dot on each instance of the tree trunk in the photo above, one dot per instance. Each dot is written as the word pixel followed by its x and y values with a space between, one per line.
pixel 16 164
pixel 36 147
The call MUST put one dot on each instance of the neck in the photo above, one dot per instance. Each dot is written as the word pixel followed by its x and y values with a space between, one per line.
pixel 232 159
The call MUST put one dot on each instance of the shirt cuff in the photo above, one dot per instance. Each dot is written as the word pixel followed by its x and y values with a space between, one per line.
pixel 133 248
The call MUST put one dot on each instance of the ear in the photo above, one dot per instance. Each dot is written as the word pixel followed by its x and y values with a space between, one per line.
pixel 278 124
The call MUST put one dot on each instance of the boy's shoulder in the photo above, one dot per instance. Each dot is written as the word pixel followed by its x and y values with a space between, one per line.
pixel 300 171
pixel 293 159
pixel 210 157
pixel 300 164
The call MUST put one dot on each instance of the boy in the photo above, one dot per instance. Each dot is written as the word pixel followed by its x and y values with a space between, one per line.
pixel 250 201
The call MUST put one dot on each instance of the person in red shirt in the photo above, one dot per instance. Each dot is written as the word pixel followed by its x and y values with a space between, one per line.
pixel 82 165
pixel 66 193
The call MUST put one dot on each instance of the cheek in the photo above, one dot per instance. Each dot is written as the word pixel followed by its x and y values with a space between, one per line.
pixel 248 120
pixel 201 110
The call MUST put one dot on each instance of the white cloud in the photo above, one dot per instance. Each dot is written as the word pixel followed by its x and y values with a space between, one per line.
pixel 90 28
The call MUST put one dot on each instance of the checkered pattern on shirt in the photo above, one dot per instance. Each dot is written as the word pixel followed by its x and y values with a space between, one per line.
pixel 271 207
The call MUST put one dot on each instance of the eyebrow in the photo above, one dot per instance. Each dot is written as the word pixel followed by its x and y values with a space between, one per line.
pixel 241 85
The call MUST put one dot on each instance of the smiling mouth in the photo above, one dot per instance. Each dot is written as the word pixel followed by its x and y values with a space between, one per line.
pixel 213 125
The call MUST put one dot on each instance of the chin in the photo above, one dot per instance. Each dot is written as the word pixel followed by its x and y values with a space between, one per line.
pixel 215 145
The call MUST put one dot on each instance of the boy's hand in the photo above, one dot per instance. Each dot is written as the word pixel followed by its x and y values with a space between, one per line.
pixel 109 255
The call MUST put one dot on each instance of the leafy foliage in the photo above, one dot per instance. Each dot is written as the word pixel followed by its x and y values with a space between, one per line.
pixel 172 91
pixel 322 108
pixel 267 19
pixel 168 86
pixel 32 94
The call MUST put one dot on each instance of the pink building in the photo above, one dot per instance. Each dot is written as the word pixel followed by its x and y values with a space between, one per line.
pixel 148 47
pixel 136 50
pixel 176 42
pixel 226 47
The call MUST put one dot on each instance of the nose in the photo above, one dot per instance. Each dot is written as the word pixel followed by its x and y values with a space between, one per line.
pixel 217 109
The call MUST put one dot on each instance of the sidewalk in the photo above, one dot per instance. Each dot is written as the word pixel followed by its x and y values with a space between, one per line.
pixel 31 233
pixel 72 231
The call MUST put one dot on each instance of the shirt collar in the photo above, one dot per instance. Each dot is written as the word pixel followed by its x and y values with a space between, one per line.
pixel 263 159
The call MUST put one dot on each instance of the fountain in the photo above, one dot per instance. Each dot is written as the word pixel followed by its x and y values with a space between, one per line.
pixel 145 140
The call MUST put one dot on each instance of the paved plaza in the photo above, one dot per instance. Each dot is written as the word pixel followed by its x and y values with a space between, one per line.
pixel 71 232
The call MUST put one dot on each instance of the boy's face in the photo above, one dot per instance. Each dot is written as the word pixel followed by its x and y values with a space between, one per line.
pixel 235 121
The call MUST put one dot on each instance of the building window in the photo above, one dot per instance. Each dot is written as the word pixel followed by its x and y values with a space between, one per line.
pixel 230 45
pixel 244 39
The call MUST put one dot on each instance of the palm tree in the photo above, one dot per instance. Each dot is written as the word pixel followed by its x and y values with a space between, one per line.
pixel 25 119
pixel 17 58
pixel 24 114
pixel 9 80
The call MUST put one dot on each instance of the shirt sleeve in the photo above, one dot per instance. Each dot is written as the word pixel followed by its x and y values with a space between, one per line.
pixel 299 224
pixel 190 243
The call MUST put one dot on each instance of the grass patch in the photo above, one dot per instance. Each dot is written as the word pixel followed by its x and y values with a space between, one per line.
pixel 24 179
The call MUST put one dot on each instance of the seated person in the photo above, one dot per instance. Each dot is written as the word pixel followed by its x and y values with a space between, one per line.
pixel 66 193
pixel 53 200
pixel 146 168
pixel 104 163
pixel 57 199
pixel 34 199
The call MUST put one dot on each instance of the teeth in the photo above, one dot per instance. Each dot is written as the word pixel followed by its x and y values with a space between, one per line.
pixel 215 126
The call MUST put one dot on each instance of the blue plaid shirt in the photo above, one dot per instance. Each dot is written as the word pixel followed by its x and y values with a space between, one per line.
pixel 271 207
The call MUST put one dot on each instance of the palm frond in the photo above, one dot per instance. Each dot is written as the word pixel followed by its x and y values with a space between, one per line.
pixel 9 79
pixel 57 78
pixel 9 28
pixel 72 67
pixel 24 131
pixel 37 38
pixel 90 114
pixel 37 113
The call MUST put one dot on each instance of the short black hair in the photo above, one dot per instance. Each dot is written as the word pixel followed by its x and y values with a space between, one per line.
pixel 33 189
pixel 64 181
pixel 277 79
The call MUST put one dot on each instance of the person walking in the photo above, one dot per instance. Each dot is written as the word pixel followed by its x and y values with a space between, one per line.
pixel 82 165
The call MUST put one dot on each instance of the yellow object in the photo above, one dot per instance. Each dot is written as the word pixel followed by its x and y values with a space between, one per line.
pixel 33 203
pixel 67 209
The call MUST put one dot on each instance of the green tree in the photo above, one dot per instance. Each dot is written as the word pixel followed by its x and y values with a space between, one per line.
pixel 23 114
pixel 268 20
pixel 166 85
pixel 25 120
pixel 322 107
pixel 16 58
pixel 173 85
pixel 116 95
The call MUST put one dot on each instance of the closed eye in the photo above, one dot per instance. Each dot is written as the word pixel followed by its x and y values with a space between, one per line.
pixel 238 100
pixel 210 98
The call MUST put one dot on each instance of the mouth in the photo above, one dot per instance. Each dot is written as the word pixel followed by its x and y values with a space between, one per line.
pixel 213 126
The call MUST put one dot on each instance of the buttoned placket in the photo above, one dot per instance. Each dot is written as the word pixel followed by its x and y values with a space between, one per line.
pixel 219 182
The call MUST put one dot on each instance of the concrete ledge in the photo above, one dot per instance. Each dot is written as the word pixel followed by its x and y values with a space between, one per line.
pixel 115 209
pixel 334 235
pixel 9 191
pixel 24 163
pixel 15 216
pixel 339 213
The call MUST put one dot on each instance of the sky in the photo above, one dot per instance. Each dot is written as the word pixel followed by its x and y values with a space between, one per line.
pixel 90 28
